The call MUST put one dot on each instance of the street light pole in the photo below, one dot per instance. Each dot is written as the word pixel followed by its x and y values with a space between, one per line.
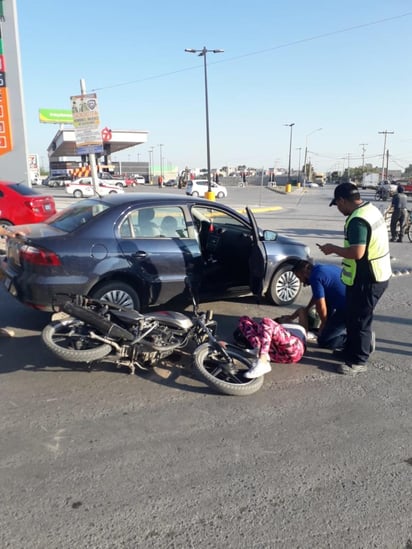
pixel 300 150
pixel 290 147
pixel 161 162
pixel 151 165
pixel 202 53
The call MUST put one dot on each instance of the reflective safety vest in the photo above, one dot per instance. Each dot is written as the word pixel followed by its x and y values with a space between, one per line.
pixel 377 251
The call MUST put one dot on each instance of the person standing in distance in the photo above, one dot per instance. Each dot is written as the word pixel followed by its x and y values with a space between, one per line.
pixel 400 205
pixel 366 270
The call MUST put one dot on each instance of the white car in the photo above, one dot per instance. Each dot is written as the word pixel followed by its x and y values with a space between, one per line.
pixel 109 179
pixel 84 187
pixel 198 187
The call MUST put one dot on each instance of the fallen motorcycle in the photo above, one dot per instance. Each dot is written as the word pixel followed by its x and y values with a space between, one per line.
pixel 97 330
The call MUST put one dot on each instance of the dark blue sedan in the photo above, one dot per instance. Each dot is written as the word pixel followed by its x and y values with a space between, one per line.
pixel 136 250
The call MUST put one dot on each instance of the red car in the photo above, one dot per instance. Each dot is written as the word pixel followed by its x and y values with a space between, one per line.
pixel 20 204
pixel 406 184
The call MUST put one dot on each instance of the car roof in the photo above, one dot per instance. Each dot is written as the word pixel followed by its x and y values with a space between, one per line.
pixel 151 198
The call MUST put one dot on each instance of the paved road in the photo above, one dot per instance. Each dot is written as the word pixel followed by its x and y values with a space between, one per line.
pixel 107 460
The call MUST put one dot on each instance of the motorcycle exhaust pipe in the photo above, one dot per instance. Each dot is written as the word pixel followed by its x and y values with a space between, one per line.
pixel 107 328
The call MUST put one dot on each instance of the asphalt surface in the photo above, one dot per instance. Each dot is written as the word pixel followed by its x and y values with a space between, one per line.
pixel 102 459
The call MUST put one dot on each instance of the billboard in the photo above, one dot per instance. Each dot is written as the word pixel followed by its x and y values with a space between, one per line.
pixel 55 116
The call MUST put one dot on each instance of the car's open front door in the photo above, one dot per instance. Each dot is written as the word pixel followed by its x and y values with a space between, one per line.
pixel 257 259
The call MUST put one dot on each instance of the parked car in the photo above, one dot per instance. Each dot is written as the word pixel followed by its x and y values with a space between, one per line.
pixel 56 180
pixel 135 180
pixel 82 187
pixel 406 184
pixel 109 179
pixel 170 183
pixel 136 250
pixel 20 204
pixel 198 187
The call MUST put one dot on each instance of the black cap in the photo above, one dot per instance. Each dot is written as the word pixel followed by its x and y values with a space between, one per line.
pixel 345 190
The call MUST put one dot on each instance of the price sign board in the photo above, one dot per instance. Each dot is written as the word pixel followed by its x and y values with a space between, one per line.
pixel 6 142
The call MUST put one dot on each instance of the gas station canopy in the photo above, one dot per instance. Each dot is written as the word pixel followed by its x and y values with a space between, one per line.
pixel 64 142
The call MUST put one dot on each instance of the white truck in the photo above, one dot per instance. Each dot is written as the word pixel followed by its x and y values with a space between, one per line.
pixel 371 180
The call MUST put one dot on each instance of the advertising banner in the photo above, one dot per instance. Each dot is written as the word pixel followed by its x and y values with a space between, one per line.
pixel 86 122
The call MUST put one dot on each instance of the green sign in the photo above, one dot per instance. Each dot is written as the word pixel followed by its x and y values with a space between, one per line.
pixel 56 116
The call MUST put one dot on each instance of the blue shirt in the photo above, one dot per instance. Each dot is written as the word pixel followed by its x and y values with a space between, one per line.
pixel 325 282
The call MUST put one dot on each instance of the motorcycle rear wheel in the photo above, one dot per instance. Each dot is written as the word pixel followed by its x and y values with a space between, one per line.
pixel 69 341
pixel 208 363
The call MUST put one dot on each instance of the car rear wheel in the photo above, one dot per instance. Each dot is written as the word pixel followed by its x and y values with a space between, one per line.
pixel 195 193
pixel 119 185
pixel 284 287
pixel 113 192
pixel 119 293
pixel 220 195
pixel 77 193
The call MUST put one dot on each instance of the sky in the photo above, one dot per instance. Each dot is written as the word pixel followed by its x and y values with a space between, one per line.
pixel 339 66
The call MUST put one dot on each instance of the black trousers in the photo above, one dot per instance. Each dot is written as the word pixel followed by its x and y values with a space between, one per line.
pixel 398 216
pixel 361 300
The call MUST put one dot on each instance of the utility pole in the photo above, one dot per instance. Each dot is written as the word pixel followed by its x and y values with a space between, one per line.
pixel 385 133
pixel 363 145
pixel 387 163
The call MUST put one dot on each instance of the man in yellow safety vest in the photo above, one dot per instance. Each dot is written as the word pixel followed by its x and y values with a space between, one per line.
pixel 366 270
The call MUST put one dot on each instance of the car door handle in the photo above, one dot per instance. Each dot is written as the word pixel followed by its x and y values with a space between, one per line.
pixel 140 254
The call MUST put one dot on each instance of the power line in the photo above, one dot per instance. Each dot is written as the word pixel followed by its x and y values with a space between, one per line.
pixel 259 52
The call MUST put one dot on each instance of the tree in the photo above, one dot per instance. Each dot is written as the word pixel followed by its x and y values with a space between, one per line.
pixel 408 171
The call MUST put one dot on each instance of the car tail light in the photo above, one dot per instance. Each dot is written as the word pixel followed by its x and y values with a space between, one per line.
pixel 38 207
pixel 39 256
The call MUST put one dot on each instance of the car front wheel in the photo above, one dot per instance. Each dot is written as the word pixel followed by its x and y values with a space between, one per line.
pixel 77 193
pixel 284 287
pixel 195 193
pixel 220 195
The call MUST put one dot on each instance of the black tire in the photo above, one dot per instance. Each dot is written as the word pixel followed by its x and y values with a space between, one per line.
pixel 68 340
pixel 119 293
pixel 207 363
pixel 378 196
pixel 195 193
pixel 77 194
pixel 120 185
pixel 409 231
pixel 284 287
pixel 220 195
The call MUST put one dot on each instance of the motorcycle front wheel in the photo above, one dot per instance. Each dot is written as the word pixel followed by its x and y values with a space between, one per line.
pixel 215 372
pixel 71 341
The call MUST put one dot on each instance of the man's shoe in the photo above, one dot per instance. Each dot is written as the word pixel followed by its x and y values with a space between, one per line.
pixel 351 369
pixel 399 240
pixel 259 368
pixel 373 342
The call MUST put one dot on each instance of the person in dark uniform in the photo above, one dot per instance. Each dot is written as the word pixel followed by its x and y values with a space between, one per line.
pixel 400 211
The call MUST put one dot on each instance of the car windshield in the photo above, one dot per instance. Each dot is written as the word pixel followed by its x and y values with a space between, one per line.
pixel 76 215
